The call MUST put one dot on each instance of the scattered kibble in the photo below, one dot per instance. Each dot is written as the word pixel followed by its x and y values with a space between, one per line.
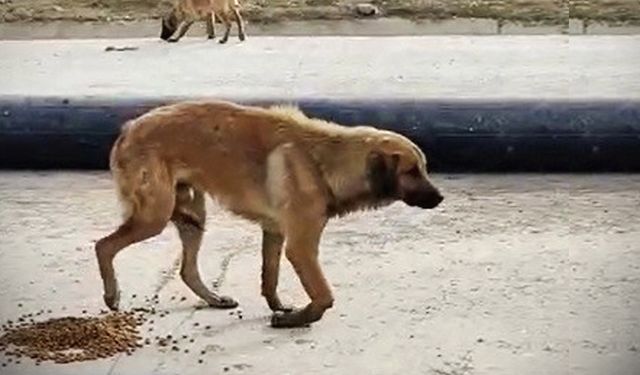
pixel 71 339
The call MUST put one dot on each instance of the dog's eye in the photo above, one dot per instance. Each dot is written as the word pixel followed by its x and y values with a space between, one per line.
pixel 414 172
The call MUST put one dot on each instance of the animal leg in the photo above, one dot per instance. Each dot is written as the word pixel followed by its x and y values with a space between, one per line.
pixel 302 251
pixel 211 20
pixel 298 194
pixel 189 217
pixel 271 253
pixel 146 221
pixel 227 27
pixel 241 34
pixel 182 29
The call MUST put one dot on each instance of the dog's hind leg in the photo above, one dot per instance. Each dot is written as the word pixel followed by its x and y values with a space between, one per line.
pixel 182 29
pixel 151 213
pixel 189 217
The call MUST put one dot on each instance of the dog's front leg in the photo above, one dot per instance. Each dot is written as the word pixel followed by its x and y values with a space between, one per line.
pixel 211 30
pixel 271 254
pixel 298 195
pixel 182 29
pixel 301 250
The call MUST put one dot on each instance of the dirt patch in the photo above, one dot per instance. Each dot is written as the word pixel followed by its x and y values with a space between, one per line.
pixel 554 12
pixel 612 12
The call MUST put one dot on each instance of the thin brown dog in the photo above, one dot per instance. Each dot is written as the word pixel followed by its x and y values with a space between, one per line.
pixel 185 12
pixel 273 166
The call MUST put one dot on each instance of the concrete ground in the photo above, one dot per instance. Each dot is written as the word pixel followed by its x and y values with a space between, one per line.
pixel 515 274
pixel 391 26
pixel 476 67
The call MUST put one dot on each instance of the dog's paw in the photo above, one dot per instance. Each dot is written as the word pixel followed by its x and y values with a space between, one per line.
pixel 172 40
pixel 292 319
pixel 223 302
pixel 222 41
pixel 112 301
pixel 211 37
pixel 276 305
pixel 242 37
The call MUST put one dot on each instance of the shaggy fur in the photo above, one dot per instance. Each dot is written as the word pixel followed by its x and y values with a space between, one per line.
pixel 273 166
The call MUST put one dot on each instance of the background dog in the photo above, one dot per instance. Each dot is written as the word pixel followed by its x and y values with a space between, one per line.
pixel 185 12
pixel 274 166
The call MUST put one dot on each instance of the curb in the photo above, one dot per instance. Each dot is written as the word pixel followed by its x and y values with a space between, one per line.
pixel 457 135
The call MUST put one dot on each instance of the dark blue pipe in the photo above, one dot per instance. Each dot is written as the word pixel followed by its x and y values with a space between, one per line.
pixel 456 135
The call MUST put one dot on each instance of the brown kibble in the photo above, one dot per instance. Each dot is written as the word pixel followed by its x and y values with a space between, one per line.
pixel 196 324
pixel 207 327
pixel 183 298
pixel 200 360
pixel 175 348
pixel 186 350
pixel 72 339
pixel 203 352
pixel 192 340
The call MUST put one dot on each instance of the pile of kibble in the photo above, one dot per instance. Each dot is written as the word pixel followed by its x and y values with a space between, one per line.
pixel 85 338
pixel 72 339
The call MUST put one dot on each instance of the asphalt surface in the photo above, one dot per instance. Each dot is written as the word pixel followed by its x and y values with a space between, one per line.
pixel 472 67
pixel 515 274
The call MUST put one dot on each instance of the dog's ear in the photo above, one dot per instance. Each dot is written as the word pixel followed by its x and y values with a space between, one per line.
pixel 382 174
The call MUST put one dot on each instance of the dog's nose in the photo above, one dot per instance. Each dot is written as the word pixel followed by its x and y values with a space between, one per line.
pixel 435 199
pixel 439 198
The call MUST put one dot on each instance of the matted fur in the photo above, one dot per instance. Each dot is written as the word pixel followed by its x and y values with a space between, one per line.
pixel 274 166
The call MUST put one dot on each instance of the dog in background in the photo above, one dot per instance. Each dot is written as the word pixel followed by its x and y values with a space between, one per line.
pixel 274 166
pixel 185 12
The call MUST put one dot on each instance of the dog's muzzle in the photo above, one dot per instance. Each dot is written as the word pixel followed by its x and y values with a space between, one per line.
pixel 427 200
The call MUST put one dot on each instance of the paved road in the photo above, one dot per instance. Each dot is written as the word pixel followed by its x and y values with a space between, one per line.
pixel 520 274
pixel 480 67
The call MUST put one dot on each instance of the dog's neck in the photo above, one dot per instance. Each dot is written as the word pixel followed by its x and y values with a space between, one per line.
pixel 348 188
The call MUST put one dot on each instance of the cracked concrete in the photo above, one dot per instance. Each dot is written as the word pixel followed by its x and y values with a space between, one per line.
pixel 516 274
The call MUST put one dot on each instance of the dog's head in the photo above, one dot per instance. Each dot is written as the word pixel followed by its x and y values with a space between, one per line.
pixel 397 170
pixel 169 25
